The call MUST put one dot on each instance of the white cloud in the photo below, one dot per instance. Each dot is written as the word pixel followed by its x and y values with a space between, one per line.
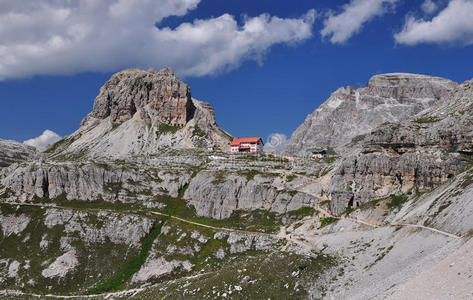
pixel 41 142
pixel 275 143
pixel 66 37
pixel 452 25
pixel 429 6
pixel 339 28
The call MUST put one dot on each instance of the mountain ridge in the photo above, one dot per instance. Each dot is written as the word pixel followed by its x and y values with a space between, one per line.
pixel 351 112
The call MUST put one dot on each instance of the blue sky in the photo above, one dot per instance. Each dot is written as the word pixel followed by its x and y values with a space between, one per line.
pixel 268 85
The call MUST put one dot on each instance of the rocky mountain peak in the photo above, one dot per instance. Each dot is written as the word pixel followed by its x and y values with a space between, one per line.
pixel 139 113
pixel 350 112
pixel 133 90
pixel 406 87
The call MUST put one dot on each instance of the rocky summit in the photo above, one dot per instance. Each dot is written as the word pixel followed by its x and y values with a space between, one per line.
pixel 144 200
pixel 349 113
pixel 131 91
pixel 143 112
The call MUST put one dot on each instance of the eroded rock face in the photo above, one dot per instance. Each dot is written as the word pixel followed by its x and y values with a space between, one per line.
pixel 12 152
pixel 129 91
pixel 350 113
pixel 89 181
pixel 421 153
pixel 218 195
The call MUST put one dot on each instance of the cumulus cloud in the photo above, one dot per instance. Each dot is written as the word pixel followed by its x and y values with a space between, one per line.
pixel 339 28
pixel 66 37
pixel 429 6
pixel 41 142
pixel 276 143
pixel 452 25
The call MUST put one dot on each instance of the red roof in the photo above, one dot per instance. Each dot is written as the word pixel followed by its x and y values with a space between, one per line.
pixel 237 142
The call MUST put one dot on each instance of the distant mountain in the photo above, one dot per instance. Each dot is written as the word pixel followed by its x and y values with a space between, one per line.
pixel 12 152
pixel 143 112
pixel 349 113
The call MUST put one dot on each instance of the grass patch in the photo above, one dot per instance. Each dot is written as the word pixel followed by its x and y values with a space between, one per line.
pixel 303 212
pixel 250 174
pixel 349 210
pixel 427 120
pixel 325 203
pixel 397 201
pixel 370 204
pixel 7 193
pixel 467 181
pixel 198 132
pixel 165 128
pixel 469 234
pixel 219 177
pixel 441 208
pixel 290 178
pixel 327 221
pixel 61 144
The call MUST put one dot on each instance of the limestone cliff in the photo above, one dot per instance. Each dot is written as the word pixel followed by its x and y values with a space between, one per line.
pixel 351 113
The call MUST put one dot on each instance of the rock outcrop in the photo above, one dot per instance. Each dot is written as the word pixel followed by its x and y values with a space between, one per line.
pixel 218 194
pixel 140 113
pixel 131 91
pixel 12 152
pixel 421 153
pixel 90 181
pixel 349 113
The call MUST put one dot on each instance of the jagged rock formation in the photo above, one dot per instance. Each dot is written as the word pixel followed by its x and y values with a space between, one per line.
pixel 141 113
pixel 133 90
pixel 421 153
pixel 351 113
pixel 12 152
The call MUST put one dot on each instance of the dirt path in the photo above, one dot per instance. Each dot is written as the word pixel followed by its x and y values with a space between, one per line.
pixel 431 229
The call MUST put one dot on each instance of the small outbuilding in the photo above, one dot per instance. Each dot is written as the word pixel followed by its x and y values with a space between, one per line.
pixel 318 153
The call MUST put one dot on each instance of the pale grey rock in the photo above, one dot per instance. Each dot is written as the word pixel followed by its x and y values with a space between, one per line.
pixel 376 260
pixel 13 269
pixel 14 152
pixel 157 267
pixel 196 235
pixel 217 197
pixel 62 265
pixel 351 113
pixel 13 224
pixel 130 91
pixel 90 181
pixel 242 242
pixel 44 243
pixel 220 254
pixel 119 229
